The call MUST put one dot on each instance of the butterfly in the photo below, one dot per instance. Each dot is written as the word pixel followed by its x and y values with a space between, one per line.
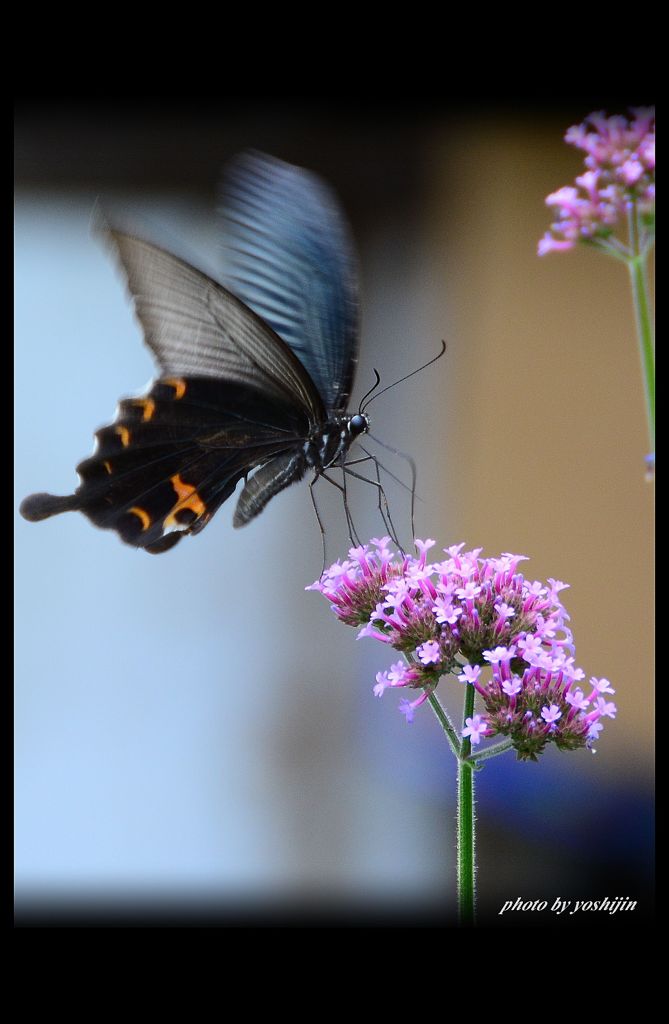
pixel 255 373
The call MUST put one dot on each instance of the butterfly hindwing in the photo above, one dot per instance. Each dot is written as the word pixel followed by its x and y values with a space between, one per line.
pixel 172 457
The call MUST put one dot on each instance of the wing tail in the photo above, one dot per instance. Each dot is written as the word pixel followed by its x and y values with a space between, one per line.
pixel 37 507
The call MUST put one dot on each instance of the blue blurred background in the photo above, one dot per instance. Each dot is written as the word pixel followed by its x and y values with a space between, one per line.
pixel 194 730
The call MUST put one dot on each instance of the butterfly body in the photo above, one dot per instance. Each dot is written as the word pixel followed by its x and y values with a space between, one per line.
pixel 255 372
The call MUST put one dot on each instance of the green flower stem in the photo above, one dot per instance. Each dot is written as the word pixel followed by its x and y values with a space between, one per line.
pixel 445 723
pixel 640 245
pixel 466 891
pixel 634 255
pixel 617 251
pixel 644 322
pixel 638 276
pixel 499 748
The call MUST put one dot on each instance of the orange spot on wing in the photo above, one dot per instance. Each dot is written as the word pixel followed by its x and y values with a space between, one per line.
pixel 144 516
pixel 124 434
pixel 148 405
pixel 178 384
pixel 107 466
pixel 188 498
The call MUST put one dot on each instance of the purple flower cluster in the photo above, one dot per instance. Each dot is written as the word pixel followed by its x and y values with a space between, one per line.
pixel 620 164
pixel 533 699
pixel 471 615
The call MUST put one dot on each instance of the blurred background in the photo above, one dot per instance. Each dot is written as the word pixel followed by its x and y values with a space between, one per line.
pixel 194 733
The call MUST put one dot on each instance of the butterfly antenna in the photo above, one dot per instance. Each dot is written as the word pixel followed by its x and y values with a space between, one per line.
pixel 373 388
pixel 412 374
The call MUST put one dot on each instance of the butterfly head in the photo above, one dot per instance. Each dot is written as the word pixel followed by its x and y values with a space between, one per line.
pixel 358 424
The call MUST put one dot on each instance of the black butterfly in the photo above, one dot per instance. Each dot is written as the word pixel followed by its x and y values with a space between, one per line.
pixel 254 378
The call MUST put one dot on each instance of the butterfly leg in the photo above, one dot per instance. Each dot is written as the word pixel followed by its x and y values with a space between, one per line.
pixel 352 532
pixel 384 507
pixel 412 464
pixel 349 517
pixel 383 500
pixel 382 494
pixel 320 521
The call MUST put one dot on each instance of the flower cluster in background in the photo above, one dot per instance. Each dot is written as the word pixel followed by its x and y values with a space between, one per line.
pixel 620 162
pixel 480 619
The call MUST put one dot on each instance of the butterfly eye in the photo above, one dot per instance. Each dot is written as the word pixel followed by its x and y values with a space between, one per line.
pixel 358 424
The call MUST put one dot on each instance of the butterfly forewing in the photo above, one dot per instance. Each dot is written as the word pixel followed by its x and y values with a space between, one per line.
pixel 288 254
pixel 195 327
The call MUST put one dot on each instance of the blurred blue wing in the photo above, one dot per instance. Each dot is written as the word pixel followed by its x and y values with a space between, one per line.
pixel 288 254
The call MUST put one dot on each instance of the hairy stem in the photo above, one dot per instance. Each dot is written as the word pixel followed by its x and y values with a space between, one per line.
pixel 638 269
pixel 466 871
pixel 445 723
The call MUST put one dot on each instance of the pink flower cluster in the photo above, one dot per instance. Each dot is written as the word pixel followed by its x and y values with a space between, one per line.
pixel 620 164
pixel 469 615
pixel 532 697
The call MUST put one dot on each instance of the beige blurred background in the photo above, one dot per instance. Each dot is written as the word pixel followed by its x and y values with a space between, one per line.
pixel 530 437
